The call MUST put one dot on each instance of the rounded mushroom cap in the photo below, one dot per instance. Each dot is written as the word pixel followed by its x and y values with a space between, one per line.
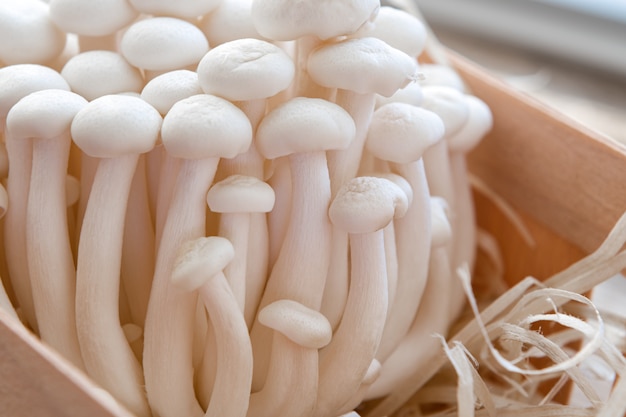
pixel 185 9
pixel 116 125
pixel 28 33
pixel 241 194
pixel 399 29
pixel 231 20
pixel 200 260
pixel 284 20
pixel 44 114
pixel 381 69
pixel 163 44
pixel 373 372
pixel 401 133
pixel 205 126
pixel 93 74
pixel 367 204
pixel 304 125
pixel 411 94
pixel 479 122
pixel 163 91
pixel 17 81
pixel 449 104
pixel 92 18
pixel 302 325
pixel 400 182
pixel 245 69
pixel 440 224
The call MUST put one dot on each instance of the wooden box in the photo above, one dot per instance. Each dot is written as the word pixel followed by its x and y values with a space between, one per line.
pixel 568 185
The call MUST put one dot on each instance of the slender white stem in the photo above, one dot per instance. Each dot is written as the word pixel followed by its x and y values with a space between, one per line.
pixel 102 339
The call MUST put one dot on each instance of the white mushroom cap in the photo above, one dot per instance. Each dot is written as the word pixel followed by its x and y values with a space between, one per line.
pixel 163 91
pixel 411 94
pixel 44 114
pixel 401 133
pixel 363 65
pixel 93 74
pixel 231 20
pixel 116 125
pixel 399 29
pixel 302 325
pixel 284 20
pixel 479 122
pixel 205 126
pixel 163 44
pixel 200 260
pixel 400 182
pixel 241 194
pixel 440 224
pixel 17 81
pixel 449 104
pixel 367 204
pixel 184 9
pixel 245 69
pixel 304 125
pixel 442 75
pixel 28 34
pixel 92 18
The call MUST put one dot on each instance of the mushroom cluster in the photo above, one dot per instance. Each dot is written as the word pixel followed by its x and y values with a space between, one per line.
pixel 232 207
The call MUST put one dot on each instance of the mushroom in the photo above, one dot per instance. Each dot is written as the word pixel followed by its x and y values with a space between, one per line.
pixel 162 44
pixel 29 35
pixel 419 346
pixel 95 21
pixel 400 134
pixel 17 81
pixel 291 384
pixel 48 247
pixel 200 129
pixel 199 267
pixel 362 208
pixel 302 129
pixel 116 129
pixel 248 72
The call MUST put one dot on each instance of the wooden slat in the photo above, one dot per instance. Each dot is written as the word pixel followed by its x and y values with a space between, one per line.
pixel 36 382
pixel 571 179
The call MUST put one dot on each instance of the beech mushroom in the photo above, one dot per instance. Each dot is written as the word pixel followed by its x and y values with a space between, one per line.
pixel 116 129
pixel 362 208
pixel 17 81
pixel 48 248
pixel 302 129
pixel 162 44
pixel 200 129
pixel 291 384
pixel 419 346
pixel 230 20
pixel 199 267
pixel 400 134
pixel 30 36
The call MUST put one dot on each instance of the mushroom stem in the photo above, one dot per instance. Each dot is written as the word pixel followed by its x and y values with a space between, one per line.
pixel 50 260
pixel 170 167
pixel 5 301
pixel 100 333
pixel 18 184
pixel 168 337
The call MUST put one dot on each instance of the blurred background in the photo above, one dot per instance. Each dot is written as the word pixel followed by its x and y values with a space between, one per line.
pixel 571 54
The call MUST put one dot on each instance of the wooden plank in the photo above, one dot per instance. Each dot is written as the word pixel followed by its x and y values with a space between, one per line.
pixel 37 382
pixel 571 179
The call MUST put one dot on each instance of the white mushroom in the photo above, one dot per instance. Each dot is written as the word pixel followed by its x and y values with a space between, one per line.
pixel 17 81
pixel 291 385
pixel 199 267
pixel 116 129
pixel 200 129
pixel 362 208
pixel 230 20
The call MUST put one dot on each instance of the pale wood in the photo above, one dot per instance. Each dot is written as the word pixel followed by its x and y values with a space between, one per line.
pixel 37 382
